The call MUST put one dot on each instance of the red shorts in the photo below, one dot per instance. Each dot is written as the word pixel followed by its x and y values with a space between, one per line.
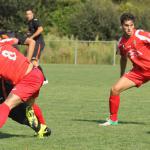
pixel 138 77
pixel 29 86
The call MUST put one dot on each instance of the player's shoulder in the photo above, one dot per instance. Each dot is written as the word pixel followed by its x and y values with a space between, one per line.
pixel 6 41
pixel 139 31
pixel 35 20
pixel 141 34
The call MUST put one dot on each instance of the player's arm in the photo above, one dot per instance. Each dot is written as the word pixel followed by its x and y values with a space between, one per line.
pixel 37 32
pixel 123 58
pixel 123 63
pixel 38 27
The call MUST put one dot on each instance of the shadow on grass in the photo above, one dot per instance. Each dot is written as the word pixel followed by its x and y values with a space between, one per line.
pixel 9 135
pixel 148 132
pixel 102 121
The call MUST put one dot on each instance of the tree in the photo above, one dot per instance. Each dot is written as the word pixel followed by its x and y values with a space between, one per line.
pixel 95 18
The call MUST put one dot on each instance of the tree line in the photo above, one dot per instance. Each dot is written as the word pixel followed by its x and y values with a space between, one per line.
pixel 83 19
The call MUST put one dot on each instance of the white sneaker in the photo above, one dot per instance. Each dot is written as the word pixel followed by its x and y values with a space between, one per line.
pixel 108 122
pixel 45 82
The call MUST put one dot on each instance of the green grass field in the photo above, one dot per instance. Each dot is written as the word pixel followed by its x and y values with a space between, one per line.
pixel 73 103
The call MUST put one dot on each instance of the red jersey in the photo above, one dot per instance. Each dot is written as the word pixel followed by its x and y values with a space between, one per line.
pixel 13 65
pixel 137 49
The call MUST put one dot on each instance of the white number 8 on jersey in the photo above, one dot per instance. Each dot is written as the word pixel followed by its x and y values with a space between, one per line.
pixel 9 55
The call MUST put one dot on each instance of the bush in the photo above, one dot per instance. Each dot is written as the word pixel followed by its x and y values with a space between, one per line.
pixel 95 18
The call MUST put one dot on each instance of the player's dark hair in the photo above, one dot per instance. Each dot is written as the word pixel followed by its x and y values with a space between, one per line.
pixel 29 9
pixel 127 16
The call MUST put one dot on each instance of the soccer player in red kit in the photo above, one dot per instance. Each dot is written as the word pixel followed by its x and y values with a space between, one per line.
pixel 36 111
pixel 26 79
pixel 135 45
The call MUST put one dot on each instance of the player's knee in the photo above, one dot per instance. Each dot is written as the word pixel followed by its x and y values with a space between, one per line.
pixel 12 101
pixel 115 90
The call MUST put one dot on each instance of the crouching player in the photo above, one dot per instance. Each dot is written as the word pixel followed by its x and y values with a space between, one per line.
pixel 23 113
pixel 27 80
pixel 21 39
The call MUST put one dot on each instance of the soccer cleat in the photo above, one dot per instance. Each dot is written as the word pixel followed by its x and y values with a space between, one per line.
pixel 44 131
pixel 32 119
pixel 108 122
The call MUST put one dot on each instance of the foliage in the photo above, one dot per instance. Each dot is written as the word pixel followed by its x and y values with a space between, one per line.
pixel 85 19
pixel 95 18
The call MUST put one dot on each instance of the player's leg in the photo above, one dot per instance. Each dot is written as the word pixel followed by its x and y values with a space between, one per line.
pixel 45 80
pixel 44 130
pixel 11 102
pixel 36 120
pixel 24 114
pixel 38 113
pixel 25 92
pixel 32 119
pixel 18 114
pixel 36 54
pixel 114 100
pixel 36 57
pixel 25 89
pixel 129 80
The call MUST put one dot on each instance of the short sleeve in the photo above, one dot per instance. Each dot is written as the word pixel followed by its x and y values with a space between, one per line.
pixel 9 41
pixel 143 36
pixel 37 23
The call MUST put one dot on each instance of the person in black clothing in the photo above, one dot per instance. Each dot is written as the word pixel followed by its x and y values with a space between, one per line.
pixel 20 40
pixel 35 30
pixel 23 113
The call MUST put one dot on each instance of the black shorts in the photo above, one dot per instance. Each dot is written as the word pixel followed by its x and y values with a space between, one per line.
pixel 39 47
pixel 21 38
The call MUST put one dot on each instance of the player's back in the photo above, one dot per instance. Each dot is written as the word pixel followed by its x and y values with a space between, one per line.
pixel 13 65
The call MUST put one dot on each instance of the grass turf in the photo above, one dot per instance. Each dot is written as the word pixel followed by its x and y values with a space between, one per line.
pixel 73 103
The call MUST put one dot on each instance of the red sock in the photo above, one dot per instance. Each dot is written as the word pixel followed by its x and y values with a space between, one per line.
pixel 4 111
pixel 38 113
pixel 114 102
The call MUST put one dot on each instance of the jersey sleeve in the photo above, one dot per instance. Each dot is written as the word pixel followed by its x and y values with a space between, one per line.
pixel 120 48
pixel 37 23
pixel 117 49
pixel 143 36
pixel 9 41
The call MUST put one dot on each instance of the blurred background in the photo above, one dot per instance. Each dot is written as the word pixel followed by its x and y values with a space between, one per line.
pixel 76 31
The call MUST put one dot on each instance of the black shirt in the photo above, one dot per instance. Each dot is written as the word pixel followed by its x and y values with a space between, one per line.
pixel 33 26
pixel 5 88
